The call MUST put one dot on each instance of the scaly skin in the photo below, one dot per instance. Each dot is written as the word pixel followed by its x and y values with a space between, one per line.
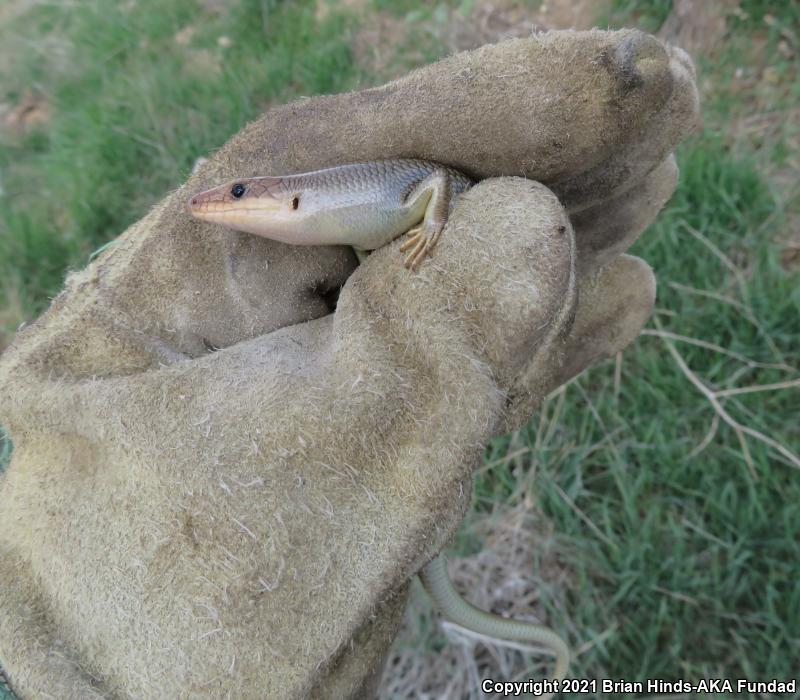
pixel 367 205
pixel 440 588
pixel 364 205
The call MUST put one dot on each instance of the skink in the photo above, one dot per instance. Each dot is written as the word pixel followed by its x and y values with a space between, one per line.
pixel 363 205
pixel 367 205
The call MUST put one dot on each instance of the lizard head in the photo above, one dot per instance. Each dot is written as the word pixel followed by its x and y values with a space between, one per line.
pixel 258 205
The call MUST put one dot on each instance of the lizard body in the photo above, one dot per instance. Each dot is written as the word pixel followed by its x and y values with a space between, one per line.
pixel 363 205
pixel 367 205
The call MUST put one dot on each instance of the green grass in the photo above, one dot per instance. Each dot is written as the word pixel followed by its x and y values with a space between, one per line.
pixel 695 562
pixel 134 104
pixel 689 560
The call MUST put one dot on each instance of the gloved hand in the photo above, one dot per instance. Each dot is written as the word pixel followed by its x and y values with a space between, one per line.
pixel 219 488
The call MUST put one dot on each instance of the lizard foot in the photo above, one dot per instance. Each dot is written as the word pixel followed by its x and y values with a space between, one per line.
pixel 421 240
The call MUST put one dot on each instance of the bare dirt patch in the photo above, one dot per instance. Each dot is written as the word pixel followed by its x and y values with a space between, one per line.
pixel 489 22
pixel 12 9
pixel 32 111
pixel 697 26
pixel 383 35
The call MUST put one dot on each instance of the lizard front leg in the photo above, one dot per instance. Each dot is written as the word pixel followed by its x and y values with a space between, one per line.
pixel 436 189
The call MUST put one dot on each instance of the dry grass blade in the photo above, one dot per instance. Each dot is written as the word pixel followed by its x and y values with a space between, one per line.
pixel 505 459
pixel 586 646
pixel 759 387
pixel 717 348
pixel 739 306
pixel 712 398
pixel 726 261
pixel 455 630
pixel 706 441
pixel 596 530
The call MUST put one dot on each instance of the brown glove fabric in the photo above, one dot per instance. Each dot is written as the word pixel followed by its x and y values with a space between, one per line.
pixel 219 488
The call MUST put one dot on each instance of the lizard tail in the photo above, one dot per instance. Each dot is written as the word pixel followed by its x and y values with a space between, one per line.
pixel 437 583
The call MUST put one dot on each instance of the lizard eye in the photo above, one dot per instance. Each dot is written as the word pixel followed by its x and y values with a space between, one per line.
pixel 238 190
pixel 295 202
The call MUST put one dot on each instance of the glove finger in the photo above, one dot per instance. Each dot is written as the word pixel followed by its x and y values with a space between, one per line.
pixel 648 143
pixel 606 230
pixel 614 304
pixel 552 107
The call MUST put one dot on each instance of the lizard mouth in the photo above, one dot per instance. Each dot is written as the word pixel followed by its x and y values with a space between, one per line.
pixel 251 211
pixel 232 200
pixel 221 211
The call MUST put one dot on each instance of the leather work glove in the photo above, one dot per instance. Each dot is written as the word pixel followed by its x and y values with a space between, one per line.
pixel 221 486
